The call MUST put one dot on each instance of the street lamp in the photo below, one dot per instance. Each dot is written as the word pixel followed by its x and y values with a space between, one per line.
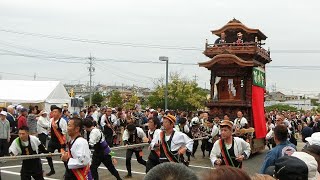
pixel 166 59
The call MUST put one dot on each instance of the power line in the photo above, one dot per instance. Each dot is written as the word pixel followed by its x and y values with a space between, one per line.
pixel 32 76
pixel 41 57
pixel 44 77
pixel 126 71
pixel 57 59
pixel 121 76
pixel 154 46
pixel 7 44
pixel 118 75
pixel 299 91
pixel 296 67
pixel 83 40
pixel 80 60
pixel 141 62
pixel 296 51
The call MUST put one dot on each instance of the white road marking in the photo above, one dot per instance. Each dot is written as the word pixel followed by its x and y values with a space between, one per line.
pixel 18 174
pixel 100 167
pixel 122 170
pixel 9 167
pixel 203 167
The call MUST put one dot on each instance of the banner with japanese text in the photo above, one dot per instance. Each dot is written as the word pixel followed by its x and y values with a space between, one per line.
pixel 258 88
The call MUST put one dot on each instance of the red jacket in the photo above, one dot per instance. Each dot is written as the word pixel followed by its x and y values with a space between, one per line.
pixel 22 121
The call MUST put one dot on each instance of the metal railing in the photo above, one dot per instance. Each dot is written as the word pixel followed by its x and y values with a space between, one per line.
pixel 25 157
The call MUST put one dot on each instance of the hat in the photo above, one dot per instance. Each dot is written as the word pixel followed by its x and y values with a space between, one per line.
pixel 286 122
pixel 151 110
pixel 226 123
pixel 19 107
pixel 195 121
pixel 310 162
pixel 44 112
pixel 3 113
pixel 65 105
pixel 170 118
pixel 24 110
pixel 290 167
pixel 75 113
pixel 239 34
pixel 314 139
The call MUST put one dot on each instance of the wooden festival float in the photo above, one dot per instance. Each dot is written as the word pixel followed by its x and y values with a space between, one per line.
pixel 237 64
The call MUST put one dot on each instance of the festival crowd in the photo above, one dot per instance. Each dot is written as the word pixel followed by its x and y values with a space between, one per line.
pixel 85 139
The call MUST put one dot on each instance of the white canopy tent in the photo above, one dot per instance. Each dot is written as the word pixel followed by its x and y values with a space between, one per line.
pixel 43 93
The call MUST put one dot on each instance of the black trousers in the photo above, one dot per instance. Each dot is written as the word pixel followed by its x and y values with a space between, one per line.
pixel 43 139
pixel 109 139
pixel 28 176
pixel 128 159
pixel 195 147
pixel 151 164
pixel 4 147
pixel 107 161
pixel 188 154
pixel 69 175
pixel 204 144
pixel 52 146
pixel 31 167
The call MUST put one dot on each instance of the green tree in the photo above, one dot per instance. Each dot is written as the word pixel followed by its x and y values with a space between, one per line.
pixel 115 99
pixel 97 98
pixel 280 107
pixel 314 102
pixel 182 94
pixel 132 102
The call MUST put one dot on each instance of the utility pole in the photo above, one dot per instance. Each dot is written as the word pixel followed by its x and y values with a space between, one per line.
pixel 34 76
pixel 166 59
pixel 195 78
pixel 91 70
pixel 274 87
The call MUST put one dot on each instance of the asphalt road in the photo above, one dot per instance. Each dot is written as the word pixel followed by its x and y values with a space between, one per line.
pixel 10 170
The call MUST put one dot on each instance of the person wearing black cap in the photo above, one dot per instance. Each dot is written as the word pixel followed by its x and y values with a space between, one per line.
pixel 299 166
pixel 58 130
pixel 133 135
pixel 230 151
pixel 172 144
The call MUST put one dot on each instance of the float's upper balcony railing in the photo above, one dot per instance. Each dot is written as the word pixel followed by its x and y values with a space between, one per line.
pixel 236 48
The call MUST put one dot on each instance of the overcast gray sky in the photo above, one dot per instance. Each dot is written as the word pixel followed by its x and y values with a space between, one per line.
pixel 134 31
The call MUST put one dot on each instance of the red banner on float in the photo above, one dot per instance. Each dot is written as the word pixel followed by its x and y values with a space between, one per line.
pixel 258 112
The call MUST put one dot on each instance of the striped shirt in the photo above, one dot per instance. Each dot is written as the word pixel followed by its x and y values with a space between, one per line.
pixel 32 123
pixel 4 129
